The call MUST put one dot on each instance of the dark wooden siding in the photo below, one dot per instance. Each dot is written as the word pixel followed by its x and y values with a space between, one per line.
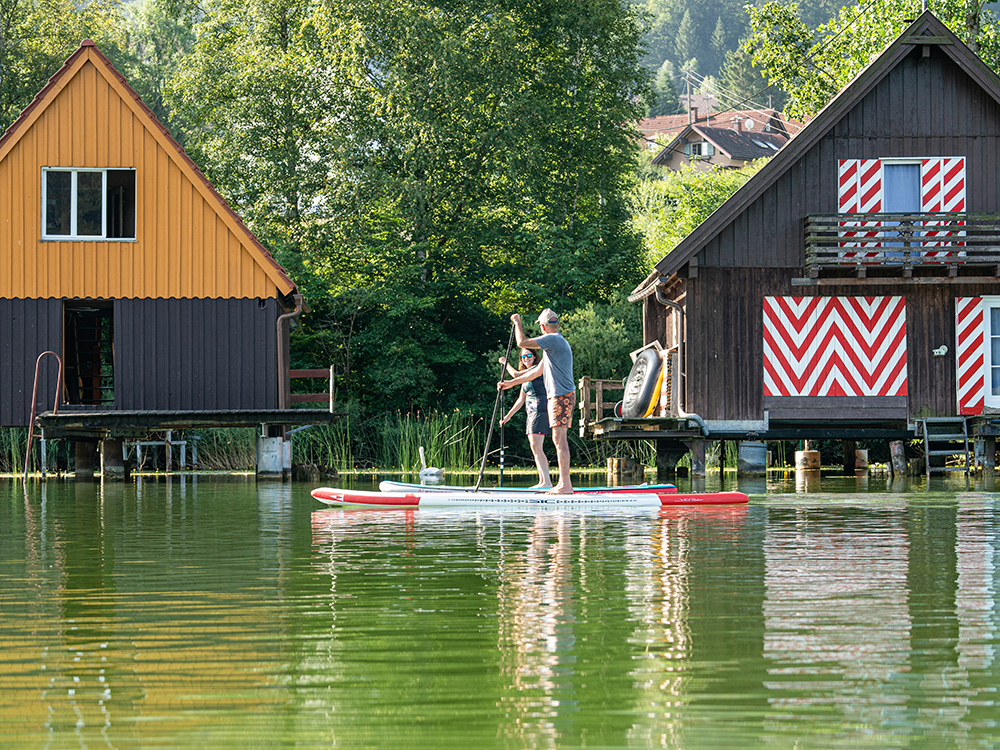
pixel 28 327
pixel 924 107
pixel 212 354
pixel 725 339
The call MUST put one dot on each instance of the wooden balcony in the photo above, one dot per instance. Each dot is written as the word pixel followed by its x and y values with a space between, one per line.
pixel 920 247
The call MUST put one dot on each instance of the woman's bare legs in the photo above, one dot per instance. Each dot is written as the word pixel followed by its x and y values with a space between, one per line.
pixel 541 461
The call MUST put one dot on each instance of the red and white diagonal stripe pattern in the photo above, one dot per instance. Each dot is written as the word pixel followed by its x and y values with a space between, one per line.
pixel 860 192
pixel 969 333
pixel 834 346
pixel 942 188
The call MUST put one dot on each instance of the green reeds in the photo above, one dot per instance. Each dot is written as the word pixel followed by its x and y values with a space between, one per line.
pixel 13 442
pixel 391 442
pixel 228 449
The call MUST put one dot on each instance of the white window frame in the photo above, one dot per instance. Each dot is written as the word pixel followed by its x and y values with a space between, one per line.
pixel 989 400
pixel 73 236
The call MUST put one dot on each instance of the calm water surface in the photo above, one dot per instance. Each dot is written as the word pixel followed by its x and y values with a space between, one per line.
pixel 212 613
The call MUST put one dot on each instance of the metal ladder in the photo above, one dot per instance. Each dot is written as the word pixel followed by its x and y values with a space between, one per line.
pixel 940 437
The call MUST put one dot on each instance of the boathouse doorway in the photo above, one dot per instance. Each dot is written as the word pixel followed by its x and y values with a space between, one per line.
pixel 89 352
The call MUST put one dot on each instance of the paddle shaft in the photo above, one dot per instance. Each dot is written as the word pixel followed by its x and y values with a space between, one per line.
pixel 496 405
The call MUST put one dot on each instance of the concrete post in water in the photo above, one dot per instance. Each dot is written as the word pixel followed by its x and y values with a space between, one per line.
pixel 668 453
pixel 698 458
pixel 113 466
pixel 86 458
pixel 861 459
pixel 751 458
pixel 807 460
pixel 270 457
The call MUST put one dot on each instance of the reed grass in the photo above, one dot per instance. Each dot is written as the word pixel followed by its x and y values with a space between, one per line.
pixel 228 449
pixel 391 442
pixel 13 442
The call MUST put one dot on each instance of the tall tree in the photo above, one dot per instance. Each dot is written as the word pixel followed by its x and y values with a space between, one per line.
pixel 813 66
pixel 665 90
pixel 423 168
pixel 36 37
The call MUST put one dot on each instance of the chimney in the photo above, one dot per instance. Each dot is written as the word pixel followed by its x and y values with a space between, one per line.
pixel 738 124
pixel 694 114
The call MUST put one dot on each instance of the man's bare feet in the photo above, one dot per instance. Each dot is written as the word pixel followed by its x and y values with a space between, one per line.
pixel 560 490
pixel 541 486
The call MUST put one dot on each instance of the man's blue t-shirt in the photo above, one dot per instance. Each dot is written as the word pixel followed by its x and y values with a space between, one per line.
pixel 558 371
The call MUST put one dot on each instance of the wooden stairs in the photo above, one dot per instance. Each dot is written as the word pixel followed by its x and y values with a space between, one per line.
pixel 945 436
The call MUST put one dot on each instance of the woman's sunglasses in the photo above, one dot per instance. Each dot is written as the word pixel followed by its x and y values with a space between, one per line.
pixel 527 356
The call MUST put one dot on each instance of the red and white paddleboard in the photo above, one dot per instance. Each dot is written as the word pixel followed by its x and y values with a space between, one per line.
pixel 494 499
pixel 404 487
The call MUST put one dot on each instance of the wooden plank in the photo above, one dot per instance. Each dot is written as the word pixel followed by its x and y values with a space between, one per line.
pixel 310 373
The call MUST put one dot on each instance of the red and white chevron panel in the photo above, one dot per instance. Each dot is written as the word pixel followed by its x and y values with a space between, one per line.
pixel 942 188
pixel 969 345
pixel 834 346
pixel 859 192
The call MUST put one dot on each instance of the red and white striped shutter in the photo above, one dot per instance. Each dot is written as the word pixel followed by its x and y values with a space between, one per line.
pixel 835 346
pixel 942 189
pixel 859 191
pixel 969 354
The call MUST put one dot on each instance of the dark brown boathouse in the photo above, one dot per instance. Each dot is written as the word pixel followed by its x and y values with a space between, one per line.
pixel 851 288
pixel 119 257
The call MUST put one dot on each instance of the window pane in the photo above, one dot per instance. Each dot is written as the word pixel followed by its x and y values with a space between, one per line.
pixel 120 203
pixel 995 375
pixel 89 204
pixel 995 351
pixel 57 202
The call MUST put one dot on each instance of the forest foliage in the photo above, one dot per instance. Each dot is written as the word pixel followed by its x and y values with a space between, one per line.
pixel 424 169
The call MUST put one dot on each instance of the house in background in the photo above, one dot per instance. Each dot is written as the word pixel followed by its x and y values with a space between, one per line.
pixel 705 146
pixel 851 288
pixel 118 255
pixel 666 129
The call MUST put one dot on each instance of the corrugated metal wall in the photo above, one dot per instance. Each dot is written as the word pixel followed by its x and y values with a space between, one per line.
pixel 169 354
pixel 185 245
pixel 196 354
pixel 28 327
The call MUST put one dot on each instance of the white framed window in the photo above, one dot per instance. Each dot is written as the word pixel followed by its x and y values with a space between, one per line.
pixel 699 149
pixel 991 351
pixel 88 204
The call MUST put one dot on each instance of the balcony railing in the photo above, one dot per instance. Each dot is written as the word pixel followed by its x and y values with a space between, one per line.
pixel 902 242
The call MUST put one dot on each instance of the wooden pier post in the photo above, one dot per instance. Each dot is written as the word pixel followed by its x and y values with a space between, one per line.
pixel 849 447
pixel 86 459
pixel 897 457
pixel 989 456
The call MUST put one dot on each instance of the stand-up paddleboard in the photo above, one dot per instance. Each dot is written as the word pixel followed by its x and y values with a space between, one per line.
pixel 362 499
pixel 390 486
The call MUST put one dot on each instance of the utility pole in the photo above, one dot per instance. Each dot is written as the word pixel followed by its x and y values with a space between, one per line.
pixel 687 78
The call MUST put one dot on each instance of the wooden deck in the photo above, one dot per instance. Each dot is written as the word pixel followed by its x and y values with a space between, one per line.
pixel 94 422
pixel 930 244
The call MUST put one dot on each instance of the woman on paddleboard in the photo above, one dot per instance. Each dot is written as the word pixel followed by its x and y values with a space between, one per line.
pixel 535 401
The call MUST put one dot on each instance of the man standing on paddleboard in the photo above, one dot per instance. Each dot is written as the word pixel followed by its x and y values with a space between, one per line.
pixel 557 370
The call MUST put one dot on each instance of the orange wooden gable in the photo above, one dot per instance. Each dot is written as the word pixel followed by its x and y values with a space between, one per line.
pixel 188 242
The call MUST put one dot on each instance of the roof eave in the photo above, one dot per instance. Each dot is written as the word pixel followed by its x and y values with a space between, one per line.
pixel 818 127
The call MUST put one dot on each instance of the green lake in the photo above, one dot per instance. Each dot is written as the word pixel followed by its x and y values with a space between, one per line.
pixel 214 612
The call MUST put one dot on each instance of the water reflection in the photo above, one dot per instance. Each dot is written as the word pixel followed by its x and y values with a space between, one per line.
pixel 536 602
pixel 836 613
pixel 203 614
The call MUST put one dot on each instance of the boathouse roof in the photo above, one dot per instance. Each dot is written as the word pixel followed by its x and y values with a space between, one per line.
pixel 188 241
pixel 926 30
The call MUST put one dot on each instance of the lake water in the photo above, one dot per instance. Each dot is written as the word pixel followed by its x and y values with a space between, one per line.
pixel 219 613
